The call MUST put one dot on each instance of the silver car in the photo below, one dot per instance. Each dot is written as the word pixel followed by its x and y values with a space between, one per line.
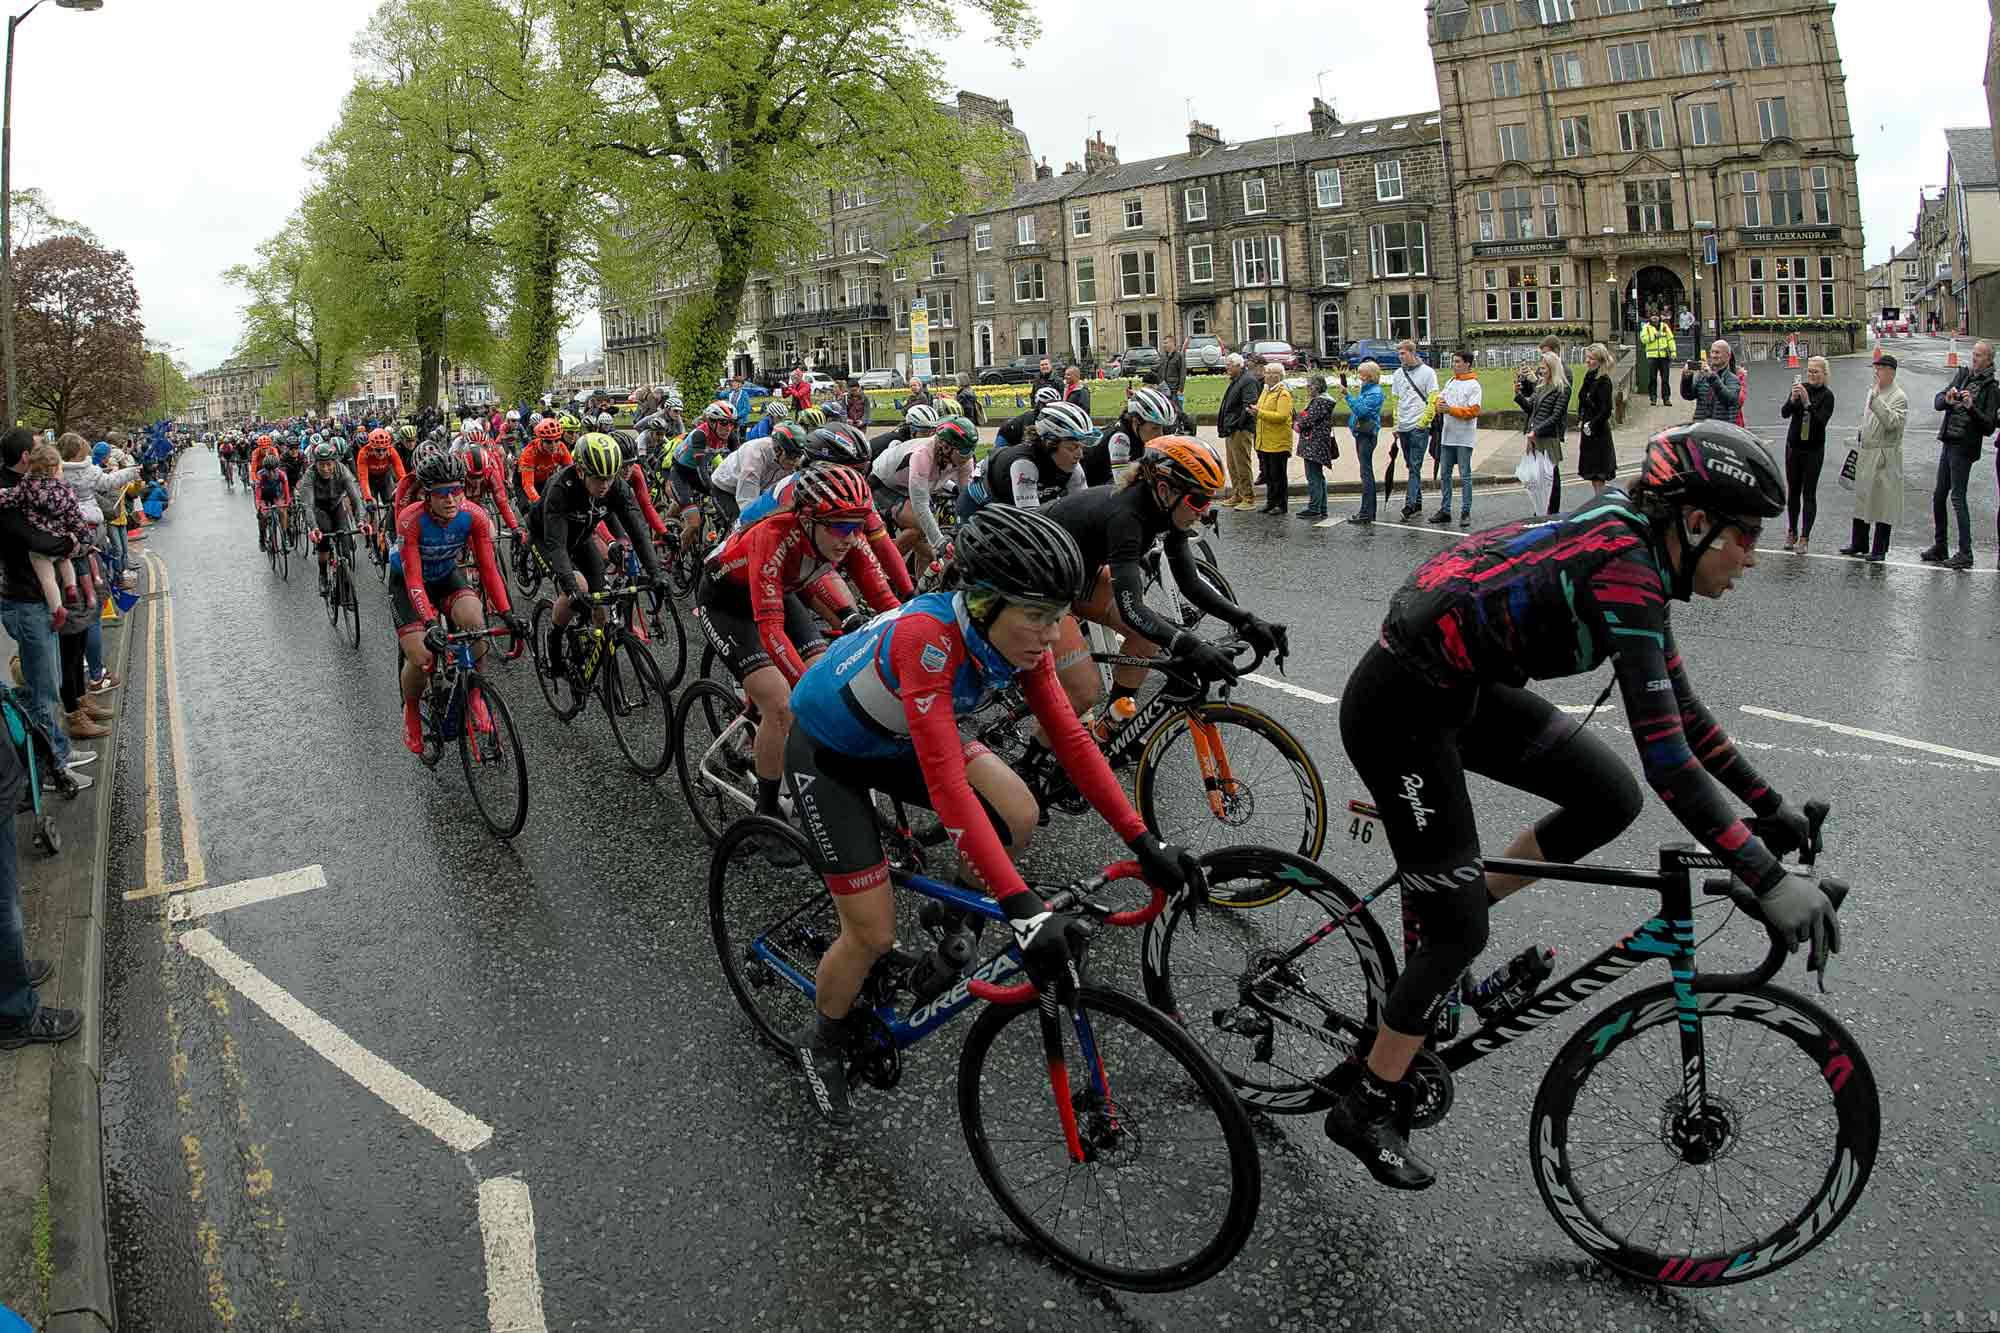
pixel 1205 352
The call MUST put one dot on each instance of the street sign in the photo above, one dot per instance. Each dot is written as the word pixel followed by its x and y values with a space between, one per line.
pixel 920 340
pixel 1708 250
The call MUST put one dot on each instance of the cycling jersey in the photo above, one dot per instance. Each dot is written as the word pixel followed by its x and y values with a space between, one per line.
pixel 537 463
pixel 910 470
pixel 745 473
pixel 1026 476
pixel 635 479
pixel 1110 451
pixel 898 686
pixel 294 464
pixel 1540 599
pixel 778 498
pixel 566 519
pixel 372 460
pixel 488 480
pixel 325 495
pixel 436 547
pixel 1115 527
pixel 764 561
pixel 272 487
pixel 259 454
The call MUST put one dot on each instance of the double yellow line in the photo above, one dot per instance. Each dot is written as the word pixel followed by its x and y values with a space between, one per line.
pixel 160 650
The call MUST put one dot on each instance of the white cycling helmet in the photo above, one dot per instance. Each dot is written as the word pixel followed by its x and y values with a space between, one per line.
pixel 719 411
pixel 1045 395
pixel 921 416
pixel 1064 421
pixel 1149 404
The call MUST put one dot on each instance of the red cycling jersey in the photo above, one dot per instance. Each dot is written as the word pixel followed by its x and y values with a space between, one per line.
pixel 635 478
pixel 773 557
pixel 477 484
pixel 429 549
pixel 372 460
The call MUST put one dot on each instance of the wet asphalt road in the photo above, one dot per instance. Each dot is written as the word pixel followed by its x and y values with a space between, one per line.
pixel 565 991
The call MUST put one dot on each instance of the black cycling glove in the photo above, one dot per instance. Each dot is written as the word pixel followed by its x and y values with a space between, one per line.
pixel 1166 867
pixel 1050 944
pixel 1206 661
pixel 1786 829
pixel 1263 636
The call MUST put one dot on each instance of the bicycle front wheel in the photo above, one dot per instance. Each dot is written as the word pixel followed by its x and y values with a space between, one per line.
pixel 1687 1196
pixel 564 697
pixel 770 925
pixel 1221 774
pixel 642 716
pixel 281 551
pixel 350 604
pixel 713 731
pixel 1166 1189
pixel 489 750
pixel 669 642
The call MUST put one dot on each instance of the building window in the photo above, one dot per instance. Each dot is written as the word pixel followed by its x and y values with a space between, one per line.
pixel 1031 337
pixel 937 263
pixel 1201 263
pixel 1787 198
pixel 847 243
pixel 1513 143
pixel 1266 320
pixel 902 312
pixel 982 288
pixel 1762 46
pixel 1826 287
pixel 1610 7
pixel 1555 291
pixel 982 236
pixel 1142 330
pixel 1135 214
pixel 1086 280
pixel 1388 181
pixel 1649 205
pixel 1326 186
pixel 864 240
pixel 1495 18
pixel 1566 69
pixel 1197 321
pixel 1260 261
pixel 1028 283
pixel 1079 220
pixel 944 356
pixel 1629 61
pixel 1253 195
pixel 1704 124
pixel 1697 54
pixel 940 305
pixel 1551 212
pixel 1641 129
pixel 1574 132
pixel 1772 122
pixel 1557 11
pixel 1506 78
pixel 1822 189
pixel 1024 229
pixel 1403 316
pixel 1791 287
pixel 1333 265
pixel 1194 202
pixel 856 290
pixel 1138 275
pixel 1753 203
pixel 1756 287
pixel 1524 295
pixel 1397 250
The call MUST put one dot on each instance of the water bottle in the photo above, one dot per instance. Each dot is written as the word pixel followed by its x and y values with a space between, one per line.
pixel 1513 983
pixel 944 965
pixel 1114 715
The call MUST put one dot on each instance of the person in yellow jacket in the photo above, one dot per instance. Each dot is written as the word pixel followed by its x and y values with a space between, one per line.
pixel 1657 338
pixel 1274 439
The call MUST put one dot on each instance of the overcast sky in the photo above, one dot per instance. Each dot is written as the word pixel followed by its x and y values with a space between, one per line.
pixel 176 128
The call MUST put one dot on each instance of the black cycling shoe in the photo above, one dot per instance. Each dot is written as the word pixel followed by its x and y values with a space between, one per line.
pixel 39 971
pixel 824 1068
pixel 1363 1121
pixel 555 656
pixel 48 1025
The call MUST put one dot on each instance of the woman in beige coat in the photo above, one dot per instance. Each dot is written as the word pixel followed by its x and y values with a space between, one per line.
pixel 1878 466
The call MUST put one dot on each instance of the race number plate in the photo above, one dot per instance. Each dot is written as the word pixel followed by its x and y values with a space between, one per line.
pixel 1364 824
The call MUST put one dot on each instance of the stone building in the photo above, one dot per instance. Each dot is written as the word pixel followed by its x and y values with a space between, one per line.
pixel 1972 232
pixel 229 394
pixel 1597 145
pixel 1933 302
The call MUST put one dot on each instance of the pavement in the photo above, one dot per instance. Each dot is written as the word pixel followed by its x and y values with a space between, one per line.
pixel 366 1068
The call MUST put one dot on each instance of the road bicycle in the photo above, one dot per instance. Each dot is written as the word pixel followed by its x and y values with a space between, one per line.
pixel 273 536
pixel 341 602
pixel 1116 1146
pixel 489 750
pixel 379 545
pixel 613 661
pixel 682 559
pixel 1699 1132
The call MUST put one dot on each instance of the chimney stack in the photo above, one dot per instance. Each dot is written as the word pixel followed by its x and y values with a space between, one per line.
pixel 1323 117
pixel 1098 155
pixel 1042 171
pixel 1203 136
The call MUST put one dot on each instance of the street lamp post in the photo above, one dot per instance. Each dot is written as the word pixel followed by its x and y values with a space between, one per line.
pixel 7 198
pixel 1687 194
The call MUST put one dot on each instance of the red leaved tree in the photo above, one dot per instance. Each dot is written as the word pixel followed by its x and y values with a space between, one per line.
pixel 78 341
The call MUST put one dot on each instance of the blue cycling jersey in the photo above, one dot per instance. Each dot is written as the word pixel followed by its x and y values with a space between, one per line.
pixel 439 543
pixel 850 700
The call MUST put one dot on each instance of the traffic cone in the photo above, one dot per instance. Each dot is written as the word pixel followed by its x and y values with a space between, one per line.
pixel 1791 354
pixel 1875 346
pixel 1951 357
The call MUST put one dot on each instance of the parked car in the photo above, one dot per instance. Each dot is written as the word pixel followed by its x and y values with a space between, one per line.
pixel 881 379
pixel 1205 352
pixel 1021 370
pixel 1134 360
pixel 1283 353
pixel 1382 351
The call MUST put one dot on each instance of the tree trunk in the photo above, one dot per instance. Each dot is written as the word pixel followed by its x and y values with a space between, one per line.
pixel 535 330
pixel 701 362
pixel 430 350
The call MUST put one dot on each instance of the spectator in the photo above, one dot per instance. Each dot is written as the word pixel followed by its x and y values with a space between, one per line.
pixel 1364 418
pixel 1045 377
pixel 1413 383
pixel 1742 374
pixel 23 1017
pixel 1658 343
pixel 1971 407
pixel 1236 422
pixel 1458 430
pixel 1809 406
pixel 1274 439
pixel 1074 389
pixel 1173 369
pixel 969 405
pixel 920 392
pixel 1878 465
pixel 1596 459
pixel 1542 398
pixel 25 615
pixel 1551 347
pixel 1687 322
pixel 738 396
pixel 1316 445
pixel 800 391
pixel 1713 387
pixel 857 404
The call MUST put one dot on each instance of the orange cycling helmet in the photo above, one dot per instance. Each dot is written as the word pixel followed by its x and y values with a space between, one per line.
pixel 548 430
pixel 381 438
pixel 831 491
pixel 1184 463
pixel 263 440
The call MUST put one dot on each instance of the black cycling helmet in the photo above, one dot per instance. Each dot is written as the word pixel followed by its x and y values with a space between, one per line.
pixel 1018 553
pixel 838 442
pixel 441 469
pixel 1713 466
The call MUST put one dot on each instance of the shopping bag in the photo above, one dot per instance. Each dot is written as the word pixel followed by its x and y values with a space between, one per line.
pixel 1538 475
pixel 1847 469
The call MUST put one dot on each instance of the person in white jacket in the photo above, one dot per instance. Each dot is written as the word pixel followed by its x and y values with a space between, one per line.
pixel 1413 383
pixel 1458 430
pixel 1878 465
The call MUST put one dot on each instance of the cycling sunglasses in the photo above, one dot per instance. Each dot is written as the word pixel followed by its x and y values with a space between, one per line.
pixel 1040 614
pixel 844 527
pixel 436 492
pixel 1197 500
pixel 1746 533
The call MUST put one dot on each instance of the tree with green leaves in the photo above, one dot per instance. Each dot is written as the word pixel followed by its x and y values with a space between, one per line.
pixel 295 315
pixel 727 126
pixel 171 379
pixel 78 338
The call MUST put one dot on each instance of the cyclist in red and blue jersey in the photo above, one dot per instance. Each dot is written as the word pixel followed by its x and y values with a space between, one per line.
pixel 1442 692
pixel 837 443
pixel 272 492
pixel 424 579
pixel 894 690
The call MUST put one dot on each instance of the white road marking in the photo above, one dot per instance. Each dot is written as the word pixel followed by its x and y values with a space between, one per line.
pixel 424 1108
pixel 1893 564
pixel 1863 733
pixel 1286 687
pixel 1609 717
pixel 207 902
pixel 513 1277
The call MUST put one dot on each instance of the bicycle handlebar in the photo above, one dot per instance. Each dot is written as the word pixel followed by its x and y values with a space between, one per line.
pixel 1739 893
pixel 1095 915
pixel 1177 667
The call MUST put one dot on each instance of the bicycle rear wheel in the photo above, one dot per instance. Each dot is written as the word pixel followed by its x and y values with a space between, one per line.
pixel 641 713
pixel 1275 1025
pixel 489 750
pixel 350 604
pixel 1222 774
pixel 332 597
pixel 564 697
pixel 770 926
pixel 669 642
pixel 713 730
pixel 1763 1173
pixel 1167 1187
